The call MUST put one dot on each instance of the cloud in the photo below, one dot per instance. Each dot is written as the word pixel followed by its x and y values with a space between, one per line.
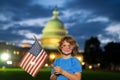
pixel 110 34
pixel 104 39
pixel 32 22
pixel 98 19
pixel 114 30
pixel 3 17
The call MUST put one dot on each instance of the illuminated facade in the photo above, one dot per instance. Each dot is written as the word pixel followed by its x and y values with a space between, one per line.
pixel 53 32
pixel 10 54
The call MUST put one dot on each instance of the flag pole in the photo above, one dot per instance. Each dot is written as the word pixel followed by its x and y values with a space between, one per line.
pixel 34 37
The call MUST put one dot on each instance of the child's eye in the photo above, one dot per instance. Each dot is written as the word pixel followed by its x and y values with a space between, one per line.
pixel 66 46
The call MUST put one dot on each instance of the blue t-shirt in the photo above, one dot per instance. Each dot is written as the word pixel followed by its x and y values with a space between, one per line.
pixel 70 65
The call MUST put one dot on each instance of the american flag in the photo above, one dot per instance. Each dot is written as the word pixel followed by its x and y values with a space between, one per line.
pixel 34 59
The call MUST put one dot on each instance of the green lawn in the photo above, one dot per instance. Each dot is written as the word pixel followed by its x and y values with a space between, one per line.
pixel 44 74
pixel 100 75
pixel 20 74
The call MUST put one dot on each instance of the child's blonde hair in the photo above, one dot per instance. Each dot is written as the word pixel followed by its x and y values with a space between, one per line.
pixel 70 40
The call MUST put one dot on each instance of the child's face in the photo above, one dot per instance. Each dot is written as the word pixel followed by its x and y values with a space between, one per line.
pixel 66 48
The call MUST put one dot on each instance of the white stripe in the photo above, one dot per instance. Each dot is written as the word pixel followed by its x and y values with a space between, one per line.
pixel 29 64
pixel 23 60
pixel 27 61
pixel 37 69
pixel 35 63
pixel 39 59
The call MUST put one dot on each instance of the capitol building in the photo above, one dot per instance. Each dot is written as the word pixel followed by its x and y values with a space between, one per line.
pixel 53 31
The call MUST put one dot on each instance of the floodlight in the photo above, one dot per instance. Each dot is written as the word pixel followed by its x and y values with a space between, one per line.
pixel 5 56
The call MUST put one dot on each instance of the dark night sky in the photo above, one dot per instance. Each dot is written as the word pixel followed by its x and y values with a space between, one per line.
pixel 20 20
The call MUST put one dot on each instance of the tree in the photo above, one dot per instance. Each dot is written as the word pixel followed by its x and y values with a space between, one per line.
pixel 92 51
pixel 112 54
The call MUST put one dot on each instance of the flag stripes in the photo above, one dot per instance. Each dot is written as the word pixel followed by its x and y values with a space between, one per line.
pixel 34 59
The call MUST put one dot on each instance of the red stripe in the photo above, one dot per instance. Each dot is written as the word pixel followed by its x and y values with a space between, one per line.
pixel 27 61
pixel 38 59
pixel 34 64
pixel 40 66
pixel 23 59
pixel 38 63
pixel 29 64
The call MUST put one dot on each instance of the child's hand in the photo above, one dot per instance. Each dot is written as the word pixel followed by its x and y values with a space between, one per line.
pixel 53 77
pixel 58 70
